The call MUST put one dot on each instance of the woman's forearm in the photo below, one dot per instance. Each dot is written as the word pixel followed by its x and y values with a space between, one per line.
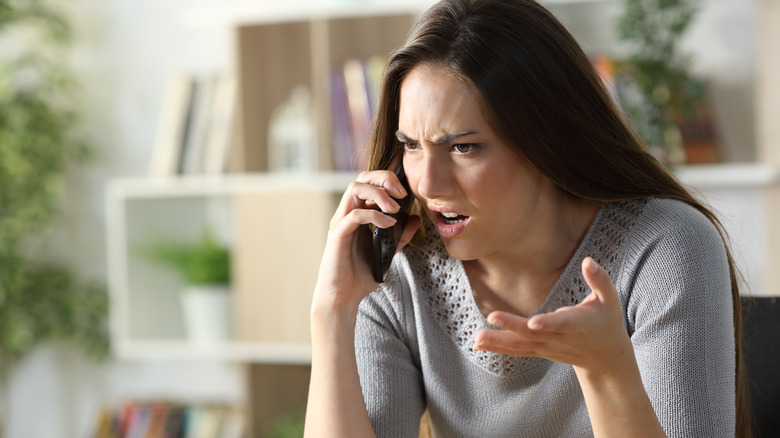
pixel 618 405
pixel 335 405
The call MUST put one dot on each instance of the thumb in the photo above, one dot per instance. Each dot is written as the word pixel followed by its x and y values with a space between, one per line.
pixel 412 225
pixel 598 280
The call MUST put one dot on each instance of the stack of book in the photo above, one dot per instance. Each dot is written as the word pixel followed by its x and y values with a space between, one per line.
pixel 354 90
pixel 163 419
pixel 195 126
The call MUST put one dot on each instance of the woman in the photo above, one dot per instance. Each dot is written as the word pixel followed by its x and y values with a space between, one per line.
pixel 561 284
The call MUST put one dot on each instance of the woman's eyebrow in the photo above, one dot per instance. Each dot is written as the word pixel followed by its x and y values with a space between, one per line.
pixel 442 139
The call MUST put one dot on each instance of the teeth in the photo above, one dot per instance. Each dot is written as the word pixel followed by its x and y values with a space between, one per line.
pixel 450 215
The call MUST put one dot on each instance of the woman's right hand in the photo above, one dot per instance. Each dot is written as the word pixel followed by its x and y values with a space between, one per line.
pixel 345 276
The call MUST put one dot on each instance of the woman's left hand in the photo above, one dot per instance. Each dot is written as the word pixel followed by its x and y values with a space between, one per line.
pixel 590 336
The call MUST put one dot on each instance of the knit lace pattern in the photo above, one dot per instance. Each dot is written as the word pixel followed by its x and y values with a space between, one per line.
pixel 448 296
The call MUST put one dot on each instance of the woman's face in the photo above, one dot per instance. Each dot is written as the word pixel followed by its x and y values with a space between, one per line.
pixel 481 196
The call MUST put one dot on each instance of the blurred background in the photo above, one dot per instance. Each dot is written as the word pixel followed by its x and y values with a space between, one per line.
pixel 128 202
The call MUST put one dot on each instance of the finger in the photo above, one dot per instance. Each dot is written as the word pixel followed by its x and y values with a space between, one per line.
pixel 385 179
pixel 355 218
pixel 563 320
pixel 508 321
pixel 412 225
pixel 364 195
pixel 598 280
pixel 506 342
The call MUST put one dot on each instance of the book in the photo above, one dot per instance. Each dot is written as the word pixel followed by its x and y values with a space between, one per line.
pixel 172 127
pixel 194 150
pixel 166 419
pixel 374 67
pixel 204 422
pixel 354 95
pixel 359 110
pixel 341 127
pixel 158 414
pixel 107 425
pixel 221 131
pixel 139 421
pixel 232 424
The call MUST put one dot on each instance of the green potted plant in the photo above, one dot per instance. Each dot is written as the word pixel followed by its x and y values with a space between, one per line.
pixel 652 30
pixel 40 300
pixel 204 268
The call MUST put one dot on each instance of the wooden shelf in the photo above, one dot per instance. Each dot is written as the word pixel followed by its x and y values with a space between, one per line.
pixel 234 351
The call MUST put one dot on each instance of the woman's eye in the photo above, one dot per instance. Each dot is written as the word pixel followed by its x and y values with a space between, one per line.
pixel 464 148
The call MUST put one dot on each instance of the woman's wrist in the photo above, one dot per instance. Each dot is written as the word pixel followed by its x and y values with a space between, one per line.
pixel 332 318
pixel 333 305
pixel 617 401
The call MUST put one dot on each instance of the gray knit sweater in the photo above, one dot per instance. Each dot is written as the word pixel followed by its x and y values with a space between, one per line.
pixel 414 335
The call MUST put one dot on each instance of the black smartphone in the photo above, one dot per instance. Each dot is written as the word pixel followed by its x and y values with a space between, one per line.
pixel 385 240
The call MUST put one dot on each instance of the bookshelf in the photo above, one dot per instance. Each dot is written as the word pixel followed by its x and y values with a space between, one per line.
pixel 276 225
pixel 302 52
pixel 269 216
pixel 146 315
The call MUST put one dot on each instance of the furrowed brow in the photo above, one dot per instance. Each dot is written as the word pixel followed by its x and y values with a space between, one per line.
pixel 448 138
pixel 403 138
pixel 442 139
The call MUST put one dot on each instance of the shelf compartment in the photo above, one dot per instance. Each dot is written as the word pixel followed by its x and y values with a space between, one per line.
pixel 276 225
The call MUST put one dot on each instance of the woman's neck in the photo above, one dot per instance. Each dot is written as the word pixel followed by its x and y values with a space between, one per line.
pixel 519 277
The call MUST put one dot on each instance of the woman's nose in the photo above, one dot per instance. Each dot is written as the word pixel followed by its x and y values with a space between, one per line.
pixel 433 176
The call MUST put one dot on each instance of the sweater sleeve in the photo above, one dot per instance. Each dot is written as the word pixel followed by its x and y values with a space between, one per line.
pixel 388 361
pixel 679 315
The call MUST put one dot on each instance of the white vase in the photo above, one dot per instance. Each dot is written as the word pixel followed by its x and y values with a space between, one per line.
pixel 207 312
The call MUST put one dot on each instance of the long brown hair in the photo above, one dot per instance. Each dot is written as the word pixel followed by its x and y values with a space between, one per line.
pixel 541 93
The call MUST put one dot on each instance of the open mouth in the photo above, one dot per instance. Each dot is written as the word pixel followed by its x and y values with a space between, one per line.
pixel 453 218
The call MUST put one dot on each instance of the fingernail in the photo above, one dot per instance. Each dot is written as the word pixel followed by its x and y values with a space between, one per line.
pixel 591 266
pixel 395 206
pixel 534 324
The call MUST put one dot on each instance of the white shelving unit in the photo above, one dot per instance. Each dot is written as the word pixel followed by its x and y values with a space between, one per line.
pixel 145 311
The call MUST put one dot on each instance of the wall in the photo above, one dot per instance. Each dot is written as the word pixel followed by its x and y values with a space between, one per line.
pixel 127 50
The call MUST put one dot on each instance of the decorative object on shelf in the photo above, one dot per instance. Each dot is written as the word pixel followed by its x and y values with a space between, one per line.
pixel 204 267
pixel 292 143
pixel 39 96
pixel 670 113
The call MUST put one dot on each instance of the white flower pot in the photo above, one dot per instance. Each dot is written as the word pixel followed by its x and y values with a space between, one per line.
pixel 207 312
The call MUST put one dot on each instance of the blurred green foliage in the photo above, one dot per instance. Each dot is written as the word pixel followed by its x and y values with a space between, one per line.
pixel 290 425
pixel 39 109
pixel 204 262
pixel 653 29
